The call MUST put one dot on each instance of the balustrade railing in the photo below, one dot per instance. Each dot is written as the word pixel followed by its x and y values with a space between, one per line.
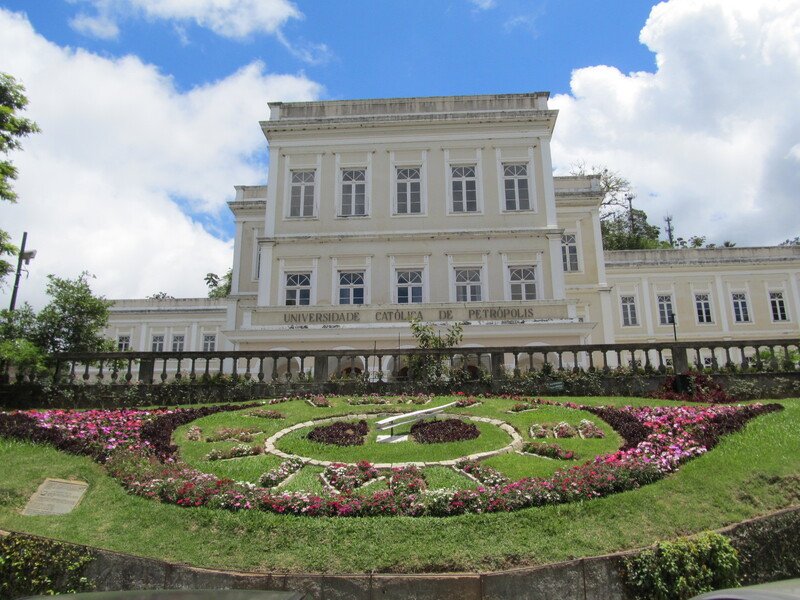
pixel 409 364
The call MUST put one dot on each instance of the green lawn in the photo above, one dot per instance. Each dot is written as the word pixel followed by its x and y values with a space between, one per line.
pixel 749 473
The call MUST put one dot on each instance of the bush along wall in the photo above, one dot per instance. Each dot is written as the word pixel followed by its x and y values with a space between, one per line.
pixel 682 569
pixel 33 566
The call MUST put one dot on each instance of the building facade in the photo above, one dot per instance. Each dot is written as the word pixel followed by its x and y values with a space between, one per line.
pixel 445 209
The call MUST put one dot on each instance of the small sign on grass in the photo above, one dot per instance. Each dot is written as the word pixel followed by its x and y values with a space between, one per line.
pixel 55 497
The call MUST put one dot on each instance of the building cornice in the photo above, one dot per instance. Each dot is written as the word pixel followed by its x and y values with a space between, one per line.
pixel 411 235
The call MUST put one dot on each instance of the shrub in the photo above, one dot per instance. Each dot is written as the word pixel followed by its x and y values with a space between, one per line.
pixel 538 430
pixel 340 433
pixel 682 569
pixel 194 433
pixel 449 430
pixel 702 388
pixel 31 566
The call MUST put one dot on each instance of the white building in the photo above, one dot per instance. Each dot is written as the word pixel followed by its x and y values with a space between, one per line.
pixel 446 209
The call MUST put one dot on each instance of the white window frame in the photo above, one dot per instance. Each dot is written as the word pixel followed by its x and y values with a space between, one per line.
pixel 420 264
pixel 365 285
pixel 408 182
pixel 209 342
pixel 182 341
pixel 671 303
pixel 510 283
pixel 578 259
pixel 501 186
pixel 287 192
pixel 157 342
pixel 296 288
pixel 422 165
pixel 481 284
pixel 409 286
pixel 470 162
pixel 124 339
pixel 782 293
pixel 709 299
pixel 626 315
pixel 341 167
pixel 747 308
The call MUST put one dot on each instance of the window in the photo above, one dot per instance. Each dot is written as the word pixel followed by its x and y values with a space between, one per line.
pixel 569 252
pixel 409 191
pixel 177 343
pixel 409 287
pixel 158 343
pixel 515 178
pixel 665 309
pixel 778 306
pixel 210 342
pixel 351 287
pixel 523 283
pixel 298 289
pixel 301 202
pixel 354 193
pixel 741 314
pixel 703 304
pixel 629 318
pixel 123 343
pixel 468 285
pixel 464 189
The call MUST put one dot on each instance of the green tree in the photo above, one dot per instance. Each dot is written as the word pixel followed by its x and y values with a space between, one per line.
pixel 74 319
pixel 630 230
pixel 13 128
pixel 794 242
pixel 219 287
pixel 425 367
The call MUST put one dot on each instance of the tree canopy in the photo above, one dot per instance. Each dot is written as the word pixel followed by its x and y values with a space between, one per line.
pixel 13 128
pixel 73 321
pixel 219 287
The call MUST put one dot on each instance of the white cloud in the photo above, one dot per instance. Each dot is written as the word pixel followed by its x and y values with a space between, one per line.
pixel 119 144
pixel 483 4
pixel 233 19
pixel 709 135
pixel 98 26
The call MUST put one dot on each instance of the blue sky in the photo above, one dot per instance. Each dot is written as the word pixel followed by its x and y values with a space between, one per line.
pixel 149 110
pixel 383 48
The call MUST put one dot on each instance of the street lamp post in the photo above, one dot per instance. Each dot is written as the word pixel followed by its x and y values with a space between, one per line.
pixel 26 257
pixel 674 326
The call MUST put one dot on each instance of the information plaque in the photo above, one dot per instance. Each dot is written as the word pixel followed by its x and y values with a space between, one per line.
pixel 55 497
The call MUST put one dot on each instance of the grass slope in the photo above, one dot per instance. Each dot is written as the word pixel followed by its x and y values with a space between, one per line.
pixel 750 473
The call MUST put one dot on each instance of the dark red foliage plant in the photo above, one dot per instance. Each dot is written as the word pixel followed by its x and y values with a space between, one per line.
pixel 340 433
pixel 449 430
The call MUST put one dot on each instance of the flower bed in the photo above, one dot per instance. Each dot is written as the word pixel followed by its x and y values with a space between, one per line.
pixel 564 430
pixel 589 430
pixel 237 451
pixel 346 478
pixel 194 434
pixel 702 388
pixel 280 473
pixel 438 432
pixel 657 441
pixel 319 401
pixel 340 433
pixel 538 430
pixel 466 402
pixel 266 414
pixel 482 473
pixel 548 450
pixel 238 434
pixel 367 400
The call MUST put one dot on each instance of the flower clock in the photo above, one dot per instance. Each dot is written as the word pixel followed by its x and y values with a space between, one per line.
pixel 137 448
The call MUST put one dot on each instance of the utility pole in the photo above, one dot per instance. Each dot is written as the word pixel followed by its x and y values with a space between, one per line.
pixel 668 220
pixel 629 198
pixel 23 257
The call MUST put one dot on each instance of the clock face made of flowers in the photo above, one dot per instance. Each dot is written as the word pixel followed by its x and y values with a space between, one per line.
pixel 136 448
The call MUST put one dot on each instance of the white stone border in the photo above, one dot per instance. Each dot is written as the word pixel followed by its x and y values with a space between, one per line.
pixel 515 445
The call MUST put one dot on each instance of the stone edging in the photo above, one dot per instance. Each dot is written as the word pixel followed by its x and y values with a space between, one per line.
pixel 515 445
